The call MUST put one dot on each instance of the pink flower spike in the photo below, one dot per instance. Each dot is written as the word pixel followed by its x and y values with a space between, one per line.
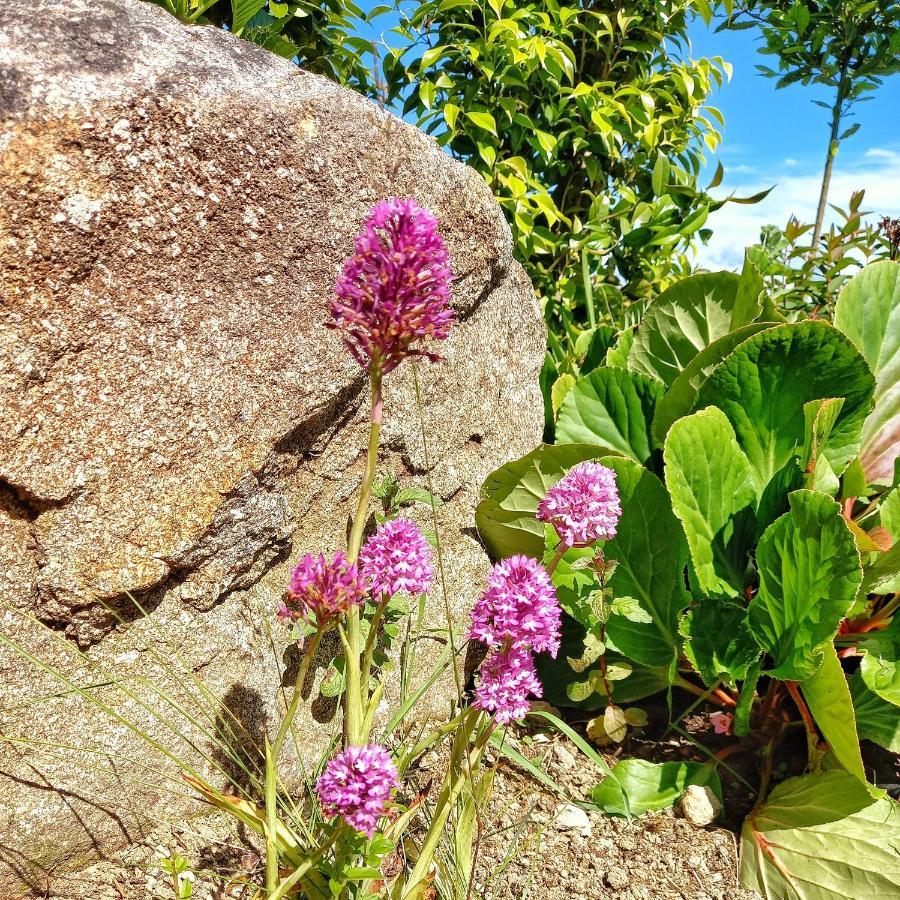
pixel 506 680
pixel 519 607
pixel 394 291
pixel 722 722
pixel 584 506
pixel 356 784
pixel 397 558
pixel 322 589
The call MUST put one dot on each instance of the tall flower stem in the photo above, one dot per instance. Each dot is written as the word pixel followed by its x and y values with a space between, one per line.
pixel 353 703
pixel 273 751
pixel 463 763
pixel 372 639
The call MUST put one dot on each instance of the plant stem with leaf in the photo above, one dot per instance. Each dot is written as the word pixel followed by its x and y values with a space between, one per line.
pixel 273 752
pixel 353 703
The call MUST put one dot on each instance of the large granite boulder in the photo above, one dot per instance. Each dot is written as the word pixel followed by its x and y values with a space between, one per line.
pixel 176 424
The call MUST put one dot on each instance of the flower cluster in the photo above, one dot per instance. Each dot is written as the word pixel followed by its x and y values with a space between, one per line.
pixel 584 506
pixel 519 608
pixel 394 290
pixel 356 784
pixel 323 590
pixel 507 679
pixel 517 615
pixel 397 558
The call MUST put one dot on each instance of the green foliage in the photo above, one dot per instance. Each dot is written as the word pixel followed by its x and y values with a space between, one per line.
pixel 802 278
pixel 588 122
pixel 642 786
pixel 868 312
pixel 766 557
pixel 613 408
pixel 809 574
pixel 822 836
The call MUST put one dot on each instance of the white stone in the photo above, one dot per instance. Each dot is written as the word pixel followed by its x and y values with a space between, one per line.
pixel 700 805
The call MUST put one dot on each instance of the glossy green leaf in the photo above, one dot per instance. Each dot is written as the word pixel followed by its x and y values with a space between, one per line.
pixel 828 697
pixel 612 408
pixel 651 552
pixel 505 516
pixel 682 321
pixel 483 120
pixel 876 719
pixel 617 355
pixel 679 399
pixel 868 312
pixel 649 786
pixel 822 837
pixel 714 494
pixel 880 667
pixel 809 573
pixel 242 11
pixel 762 387
pixel 718 641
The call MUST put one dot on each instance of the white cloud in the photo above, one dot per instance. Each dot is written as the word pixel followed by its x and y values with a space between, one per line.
pixel 790 161
pixel 735 226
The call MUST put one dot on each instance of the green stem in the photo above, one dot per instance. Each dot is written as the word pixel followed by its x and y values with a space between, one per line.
pixel 372 639
pixel 282 890
pixel 449 793
pixel 429 741
pixel 273 752
pixel 353 702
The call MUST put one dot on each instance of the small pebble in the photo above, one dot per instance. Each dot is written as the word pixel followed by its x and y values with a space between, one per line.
pixel 573 818
pixel 700 806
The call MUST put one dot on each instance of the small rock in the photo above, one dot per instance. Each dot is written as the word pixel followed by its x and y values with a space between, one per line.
pixel 573 818
pixel 617 878
pixel 700 805
pixel 564 758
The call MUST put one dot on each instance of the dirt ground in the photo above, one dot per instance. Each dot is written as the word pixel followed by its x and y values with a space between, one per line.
pixel 531 845
pixel 529 851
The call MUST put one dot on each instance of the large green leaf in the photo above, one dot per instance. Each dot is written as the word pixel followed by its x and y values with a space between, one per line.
pixel 650 786
pixel 557 676
pixel 718 641
pixel 714 494
pixel 809 573
pixel 880 667
pixel 882 575
pixel 679 399
pixel 242 11
pixel 652 553
pixel 762 387
pixel 505 516
pixel 613 408
pixel 868 312
pixel 683 320
pixel 828 698
pixel 876 719
pixel 822 837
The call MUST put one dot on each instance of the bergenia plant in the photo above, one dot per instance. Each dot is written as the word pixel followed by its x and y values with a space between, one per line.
pixel 722 514
pixel 393 303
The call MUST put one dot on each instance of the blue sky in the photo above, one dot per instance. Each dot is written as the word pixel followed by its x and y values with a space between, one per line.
pixel 779 138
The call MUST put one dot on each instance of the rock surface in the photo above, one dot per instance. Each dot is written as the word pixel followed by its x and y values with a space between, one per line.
pixel 176 425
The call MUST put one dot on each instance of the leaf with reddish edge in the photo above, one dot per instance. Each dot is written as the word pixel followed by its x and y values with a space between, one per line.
pixel 868 312
pixel 822 837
